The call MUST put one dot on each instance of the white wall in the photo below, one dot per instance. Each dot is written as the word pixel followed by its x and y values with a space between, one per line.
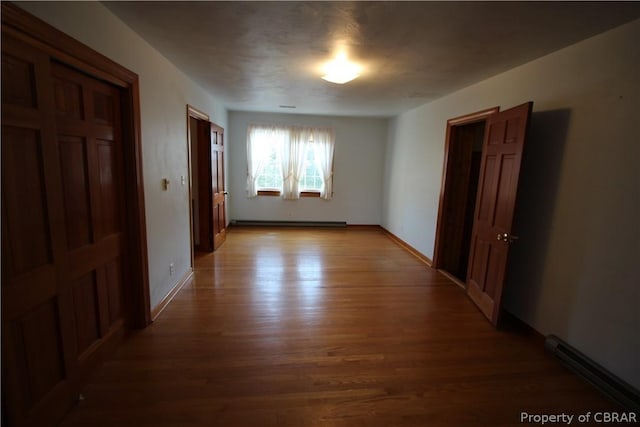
pixel 164 94
pixel 574 272
pixel 358 171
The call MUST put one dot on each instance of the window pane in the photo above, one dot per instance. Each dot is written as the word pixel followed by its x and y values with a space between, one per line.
pixel 270 176
pixel 310 180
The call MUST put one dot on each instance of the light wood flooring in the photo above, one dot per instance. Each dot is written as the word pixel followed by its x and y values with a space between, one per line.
pixel 325 327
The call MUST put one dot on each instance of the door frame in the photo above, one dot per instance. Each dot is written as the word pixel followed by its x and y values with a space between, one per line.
pixel 452 124
pixel 192 113
pixel 63 48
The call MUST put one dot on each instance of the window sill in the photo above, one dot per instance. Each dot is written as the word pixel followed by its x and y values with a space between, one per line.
pixel 309 194
pixel 276 193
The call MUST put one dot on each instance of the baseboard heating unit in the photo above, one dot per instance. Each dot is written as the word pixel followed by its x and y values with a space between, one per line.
pixel 259 223
pixel 614 387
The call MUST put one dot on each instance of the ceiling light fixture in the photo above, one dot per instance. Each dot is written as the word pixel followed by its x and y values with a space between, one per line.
pixel 341 70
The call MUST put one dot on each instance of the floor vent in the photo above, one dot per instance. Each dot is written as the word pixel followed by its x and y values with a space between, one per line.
pixel 322 224
pixel 605 381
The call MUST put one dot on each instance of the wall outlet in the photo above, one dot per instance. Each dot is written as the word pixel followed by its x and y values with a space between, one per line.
pixel 172 269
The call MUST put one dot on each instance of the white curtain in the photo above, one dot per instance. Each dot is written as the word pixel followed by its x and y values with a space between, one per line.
pixel 260 138
pixel 324 140
pixel 293 161
pixel 291 144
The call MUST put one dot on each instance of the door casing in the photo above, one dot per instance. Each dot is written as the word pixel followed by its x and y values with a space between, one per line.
pixel 194 139
pixel 448 169
pixel 201 194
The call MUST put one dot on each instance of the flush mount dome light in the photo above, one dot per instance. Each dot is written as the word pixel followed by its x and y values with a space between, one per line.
pixel 340 70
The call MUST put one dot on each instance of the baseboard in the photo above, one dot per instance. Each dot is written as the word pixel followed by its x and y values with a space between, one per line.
pixel 612 386
pixel 413 251
pixel 172 293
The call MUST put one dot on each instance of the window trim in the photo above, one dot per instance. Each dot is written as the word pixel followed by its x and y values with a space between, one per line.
pixel 310 193
pixel 269 193
pixel 278 193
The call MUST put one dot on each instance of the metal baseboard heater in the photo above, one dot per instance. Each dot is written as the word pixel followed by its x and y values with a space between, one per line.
pixel 260 223
pixel 612 386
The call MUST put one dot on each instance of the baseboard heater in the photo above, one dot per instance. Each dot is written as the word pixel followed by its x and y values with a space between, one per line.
pixel 260 223
pixel 614 387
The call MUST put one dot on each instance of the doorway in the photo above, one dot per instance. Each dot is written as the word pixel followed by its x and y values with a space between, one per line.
pixel 463 153
pixel 196 120
pixel 206 176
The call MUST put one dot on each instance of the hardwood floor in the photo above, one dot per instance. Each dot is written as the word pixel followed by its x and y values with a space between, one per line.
pixel 325 327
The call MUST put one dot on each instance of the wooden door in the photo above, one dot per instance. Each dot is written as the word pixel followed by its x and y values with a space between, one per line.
pixel 505 137
pixel 217 186
pixel 211 189
pixel 62 232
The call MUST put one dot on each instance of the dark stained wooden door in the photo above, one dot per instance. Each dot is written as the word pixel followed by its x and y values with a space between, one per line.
pixel 211 189
pixel 90 152
pixel 62 232
pixel 217 186
pixel 505 137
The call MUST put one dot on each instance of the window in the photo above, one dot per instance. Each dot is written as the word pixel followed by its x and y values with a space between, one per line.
pixel 289 161
pixel 311 179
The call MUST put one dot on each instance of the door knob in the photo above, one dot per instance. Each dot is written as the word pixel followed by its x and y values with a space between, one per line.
pixel 506 237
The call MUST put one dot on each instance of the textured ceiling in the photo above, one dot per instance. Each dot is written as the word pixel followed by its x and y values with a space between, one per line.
pixel 260 56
